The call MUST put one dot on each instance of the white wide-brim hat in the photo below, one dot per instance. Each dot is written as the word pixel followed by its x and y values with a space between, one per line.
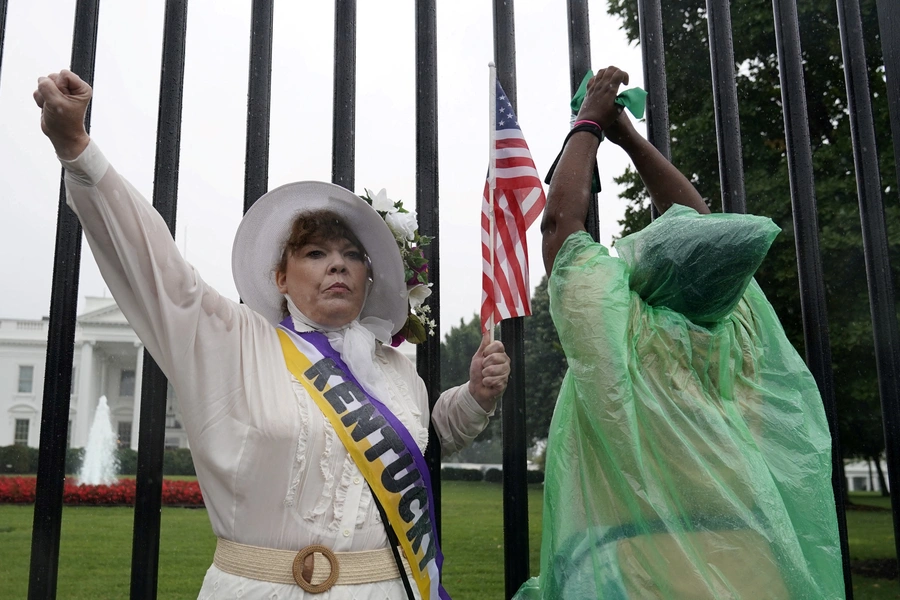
pixel 264 230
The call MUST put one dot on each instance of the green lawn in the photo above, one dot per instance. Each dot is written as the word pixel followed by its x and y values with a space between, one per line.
pixel 865 588
pixel 95 548
pixel 870 499
pixel 95 553
pixel 871 536
pixel 472 520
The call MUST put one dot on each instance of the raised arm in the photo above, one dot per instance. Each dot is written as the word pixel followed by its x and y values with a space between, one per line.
pixel 665 184
pixel 186 325
pixel 570 187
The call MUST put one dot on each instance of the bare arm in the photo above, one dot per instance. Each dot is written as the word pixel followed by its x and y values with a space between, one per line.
pixel 570 192
pixel 665 184
pixel 570 188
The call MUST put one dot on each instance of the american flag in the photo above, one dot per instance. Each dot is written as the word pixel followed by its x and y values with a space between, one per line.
pixel 518 200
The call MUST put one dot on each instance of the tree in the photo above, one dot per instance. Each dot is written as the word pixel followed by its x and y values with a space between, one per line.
pixel 768 192
pixel 457 349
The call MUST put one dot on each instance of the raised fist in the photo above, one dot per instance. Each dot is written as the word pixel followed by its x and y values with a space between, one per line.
pixel 599 103
pixel 63 99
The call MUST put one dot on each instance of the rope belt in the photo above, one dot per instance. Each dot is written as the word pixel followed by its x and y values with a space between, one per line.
pixel 286 566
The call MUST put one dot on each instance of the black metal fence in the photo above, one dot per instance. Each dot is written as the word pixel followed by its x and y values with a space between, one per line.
pixel 806 232
pixel 55 411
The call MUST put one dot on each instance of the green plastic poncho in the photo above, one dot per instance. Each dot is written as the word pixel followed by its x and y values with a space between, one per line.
pixel 688 458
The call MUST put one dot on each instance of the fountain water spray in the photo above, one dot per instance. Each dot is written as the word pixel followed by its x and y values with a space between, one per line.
pixel 100 464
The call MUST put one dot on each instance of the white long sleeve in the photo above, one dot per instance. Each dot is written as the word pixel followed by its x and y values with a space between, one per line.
pixel 272 470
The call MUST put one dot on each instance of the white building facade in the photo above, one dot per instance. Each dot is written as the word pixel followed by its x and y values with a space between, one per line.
pixel 862 476
pixel 108 362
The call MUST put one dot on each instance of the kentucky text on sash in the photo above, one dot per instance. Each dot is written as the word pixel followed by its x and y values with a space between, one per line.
pixel 379 444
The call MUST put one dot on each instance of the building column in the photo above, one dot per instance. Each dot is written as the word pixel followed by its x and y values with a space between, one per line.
pixel 138 384
pixel 82 424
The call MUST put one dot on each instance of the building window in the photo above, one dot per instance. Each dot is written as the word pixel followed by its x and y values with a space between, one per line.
pixel 26 379
pixel 126 382
pixel 21 438
pixel 173 443
pixel 69 435
pixel 125 434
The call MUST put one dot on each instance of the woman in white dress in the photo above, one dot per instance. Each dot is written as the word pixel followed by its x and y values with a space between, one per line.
pixel 275 473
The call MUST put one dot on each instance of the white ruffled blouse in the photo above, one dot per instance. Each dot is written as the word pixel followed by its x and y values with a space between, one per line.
pixel 272 470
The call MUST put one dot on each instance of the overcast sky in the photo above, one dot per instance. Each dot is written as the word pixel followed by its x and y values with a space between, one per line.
pixel 126 91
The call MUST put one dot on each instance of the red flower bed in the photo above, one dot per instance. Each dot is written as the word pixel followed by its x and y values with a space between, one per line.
pixel 21 490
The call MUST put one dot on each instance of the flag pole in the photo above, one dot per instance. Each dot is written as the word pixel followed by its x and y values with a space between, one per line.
pixel 492 181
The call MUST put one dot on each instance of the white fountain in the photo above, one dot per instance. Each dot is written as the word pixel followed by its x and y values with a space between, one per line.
pixel 100 464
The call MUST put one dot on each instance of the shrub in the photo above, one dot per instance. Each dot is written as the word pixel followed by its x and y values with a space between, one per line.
pixel 178 461
pixel 21 490
pixel 74 460
pixel 534 476
pixel 458 474
pixel 17 490
pixel 18 460
pixel 128 459
pixel 493 476
pixel 22 460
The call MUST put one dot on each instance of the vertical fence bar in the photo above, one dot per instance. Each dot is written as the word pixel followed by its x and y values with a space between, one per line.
pixel 653 56
pixel 806 232
pixel 3 4
pixel 579 64
pixel 428 353
pixel 60 349
pixel 889 27
pixel 512 332
pixel 728 122
pixel 343 125
pixel 875 242
pixel 259 93
pixel 152 424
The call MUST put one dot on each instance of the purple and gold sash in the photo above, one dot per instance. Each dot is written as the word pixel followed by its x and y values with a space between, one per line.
pixel 380 445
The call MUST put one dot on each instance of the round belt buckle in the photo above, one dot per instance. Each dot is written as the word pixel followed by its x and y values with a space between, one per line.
pixel 297 569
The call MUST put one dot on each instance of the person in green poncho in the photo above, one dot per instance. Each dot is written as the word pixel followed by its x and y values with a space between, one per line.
pixel 689 455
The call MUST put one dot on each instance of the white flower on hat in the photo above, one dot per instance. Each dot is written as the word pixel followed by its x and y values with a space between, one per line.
pixel 381 202
pixel 402 225
pixel 417 295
